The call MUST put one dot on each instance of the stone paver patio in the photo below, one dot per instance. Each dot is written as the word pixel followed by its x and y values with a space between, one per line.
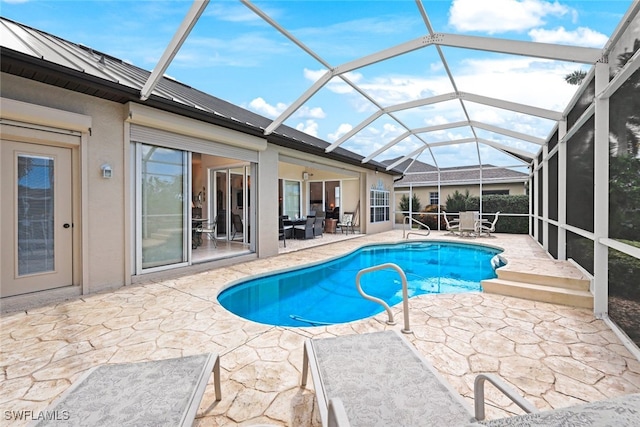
pixel 554 355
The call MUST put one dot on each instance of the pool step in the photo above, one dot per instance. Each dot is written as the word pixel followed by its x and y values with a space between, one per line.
pixel 552 293
pixel 575 283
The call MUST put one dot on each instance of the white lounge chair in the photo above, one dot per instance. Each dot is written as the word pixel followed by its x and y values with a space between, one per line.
pixel 489 228
pixel 453 226
pixel 379 379
pixel 157 393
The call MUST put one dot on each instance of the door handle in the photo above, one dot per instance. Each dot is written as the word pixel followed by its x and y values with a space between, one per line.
pixel 67 225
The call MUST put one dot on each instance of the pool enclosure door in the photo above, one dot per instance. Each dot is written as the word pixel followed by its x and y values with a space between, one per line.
pixel 36 218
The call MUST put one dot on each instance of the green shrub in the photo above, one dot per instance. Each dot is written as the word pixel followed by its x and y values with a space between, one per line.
pixel 415 203
pixel 457 202
pixel 432 219
pixel 518 204
pixel 624 271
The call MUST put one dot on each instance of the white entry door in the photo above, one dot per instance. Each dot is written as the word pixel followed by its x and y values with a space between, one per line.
pixel 36 218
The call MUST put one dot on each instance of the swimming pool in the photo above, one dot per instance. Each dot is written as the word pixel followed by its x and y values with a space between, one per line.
pixel 326 293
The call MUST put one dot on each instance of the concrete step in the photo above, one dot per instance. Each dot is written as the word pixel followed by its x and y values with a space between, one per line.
pixel 537 292
pixel 578 284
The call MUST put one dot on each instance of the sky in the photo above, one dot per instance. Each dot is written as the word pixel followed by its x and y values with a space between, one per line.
pixel 234 54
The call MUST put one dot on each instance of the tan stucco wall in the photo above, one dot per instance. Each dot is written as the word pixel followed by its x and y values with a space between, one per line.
pixel 445 191
pixel 374 180
pixel 104 254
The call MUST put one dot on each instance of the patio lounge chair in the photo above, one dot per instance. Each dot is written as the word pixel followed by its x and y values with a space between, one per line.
pixel 489 228
pixel 379 379
pixel 453 226
pixel 157 393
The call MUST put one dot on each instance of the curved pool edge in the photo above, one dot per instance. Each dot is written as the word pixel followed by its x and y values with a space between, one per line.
pixel 336 257
pixel 314 263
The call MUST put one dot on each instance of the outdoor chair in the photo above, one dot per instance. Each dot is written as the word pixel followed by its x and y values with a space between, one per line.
pixel 489 228
pixel 237 226
pixel 318 225
pixel 284 231
pixel 305 231
pixel 346 223
pixel 379 379
pixel 467 224
pixel 156 393
pixel 453 226
pixel 209 229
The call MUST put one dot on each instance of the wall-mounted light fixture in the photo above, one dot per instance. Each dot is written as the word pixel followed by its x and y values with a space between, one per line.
pixel 107 172
pixel 305 176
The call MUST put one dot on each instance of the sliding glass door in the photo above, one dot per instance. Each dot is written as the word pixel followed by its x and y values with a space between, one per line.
pixel 162 195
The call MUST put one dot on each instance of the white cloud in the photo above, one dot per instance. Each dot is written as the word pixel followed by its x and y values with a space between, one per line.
pixel 309 127
pixel 342 129
pixel 581 36
pixel 311 112
pixel 261 106
pixel 499 16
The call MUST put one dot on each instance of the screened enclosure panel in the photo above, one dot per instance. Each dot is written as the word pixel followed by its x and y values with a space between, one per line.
pixel 580 152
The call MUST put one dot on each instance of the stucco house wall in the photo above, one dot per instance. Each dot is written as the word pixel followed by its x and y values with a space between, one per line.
pixel 104 252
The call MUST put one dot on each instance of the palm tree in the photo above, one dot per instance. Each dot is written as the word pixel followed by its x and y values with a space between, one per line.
pixel 576 77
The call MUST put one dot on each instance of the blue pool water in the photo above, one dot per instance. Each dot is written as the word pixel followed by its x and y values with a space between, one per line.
pixel 327 294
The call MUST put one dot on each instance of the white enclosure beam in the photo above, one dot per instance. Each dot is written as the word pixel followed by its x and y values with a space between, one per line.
pixel 394 51
pixel 513 152
pixel 451 142
pixel 386 147
pixel 507 132
pixel 354 131
pixel 622 76
pixel 422 102
pixel 585 55
pixel 443 126
pixel 601 195
pixel 170 52
pixel 513 106
pixel 413 132
pixel 408 156
pixel 299 102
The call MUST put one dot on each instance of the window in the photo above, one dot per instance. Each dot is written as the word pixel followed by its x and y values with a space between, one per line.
pixel 433 198
pixel 379 205
pixel 291 202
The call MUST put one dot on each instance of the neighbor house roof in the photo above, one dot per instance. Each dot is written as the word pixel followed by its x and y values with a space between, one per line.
pixel 426 175
pixel 36 55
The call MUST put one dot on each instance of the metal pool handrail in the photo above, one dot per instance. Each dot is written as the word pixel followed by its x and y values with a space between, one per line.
pixel 405 293
pixel 404 227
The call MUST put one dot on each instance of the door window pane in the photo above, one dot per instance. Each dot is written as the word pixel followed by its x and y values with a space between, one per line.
pixel 292 199
pixel 163 179
pixel 35 214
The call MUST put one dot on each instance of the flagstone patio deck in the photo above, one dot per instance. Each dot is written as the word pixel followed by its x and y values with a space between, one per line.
pixel 554 355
